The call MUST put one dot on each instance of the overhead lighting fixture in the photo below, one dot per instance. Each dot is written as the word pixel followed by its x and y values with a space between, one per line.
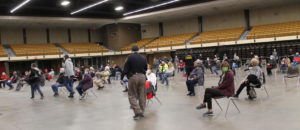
pixel 65 3
pixel 119 8
pixel 19 6
pixel 90 6
pixel 150 7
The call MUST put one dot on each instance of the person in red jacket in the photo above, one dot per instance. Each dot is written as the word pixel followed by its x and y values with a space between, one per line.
pixel 4 79
pixel 224 88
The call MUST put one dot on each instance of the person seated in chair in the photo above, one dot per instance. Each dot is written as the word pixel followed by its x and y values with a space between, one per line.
pixel 168 73
pixel 152 78
pixel 99 82
pixel 254 77
pixel 4 79
pixel 85 84
pixel 13 79
pixel 23 80
pixel 196 76
pixel 59 82
pixel 225 88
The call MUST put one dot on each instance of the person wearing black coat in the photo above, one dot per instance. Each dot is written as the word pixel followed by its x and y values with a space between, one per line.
pixel 35 80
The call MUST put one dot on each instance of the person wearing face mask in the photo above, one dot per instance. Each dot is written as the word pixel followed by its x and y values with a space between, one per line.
pixel 85 84
pixel 196 76
pixel 68 75
pixel 225 88
pixel 59 82
pixel 254 76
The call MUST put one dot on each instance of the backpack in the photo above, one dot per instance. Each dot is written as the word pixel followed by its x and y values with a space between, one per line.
pixel 42 80
pixel 252 93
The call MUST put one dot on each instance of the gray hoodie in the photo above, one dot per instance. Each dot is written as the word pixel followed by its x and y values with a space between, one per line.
pixel 69 68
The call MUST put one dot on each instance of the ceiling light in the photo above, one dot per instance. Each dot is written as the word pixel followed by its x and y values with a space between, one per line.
pixel 151 7
pixel 65 3
pixel 19 6
pixel 119 8
pixel 90 6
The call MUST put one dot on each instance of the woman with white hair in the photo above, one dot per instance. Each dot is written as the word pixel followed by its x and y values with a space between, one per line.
pixel 196 76
pixel 254 76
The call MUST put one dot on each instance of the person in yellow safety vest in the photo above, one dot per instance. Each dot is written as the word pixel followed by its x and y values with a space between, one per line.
pixel 163 67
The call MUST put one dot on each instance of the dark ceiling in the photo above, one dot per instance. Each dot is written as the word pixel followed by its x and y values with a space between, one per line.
pixel 52 8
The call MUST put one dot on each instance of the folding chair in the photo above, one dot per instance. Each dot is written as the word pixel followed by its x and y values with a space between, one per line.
pixel 151 93
pixel 87 92
pixel 293 72
pixel 230 99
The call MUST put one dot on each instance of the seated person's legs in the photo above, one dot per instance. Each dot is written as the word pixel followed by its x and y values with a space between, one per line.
pixel 208 95
pixel 191 85
pixel 242 86
pixel 80 89
pixel 9 84
pixel 55 88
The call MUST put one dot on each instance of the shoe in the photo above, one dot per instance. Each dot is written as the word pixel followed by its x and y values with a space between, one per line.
pixel 56 94
pixel 189 94
pixel 201 106
pixel 31 97
pixel 126 90
pixel 138 116
pixel 42 97
pixel 250 98
pixel 10 88
pixel 208 113
pixel 82 96
pixel 192 94
pixel 235 96
pixel 71 95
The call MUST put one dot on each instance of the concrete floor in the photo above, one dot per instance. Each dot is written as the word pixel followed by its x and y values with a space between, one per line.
pixel 110 110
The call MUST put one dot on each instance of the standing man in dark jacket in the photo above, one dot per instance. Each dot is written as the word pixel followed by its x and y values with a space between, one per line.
pixel 135 68
pixel 35 80
pixel 189 63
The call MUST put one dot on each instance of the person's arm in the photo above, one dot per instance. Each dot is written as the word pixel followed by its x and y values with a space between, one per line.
pixel 125 70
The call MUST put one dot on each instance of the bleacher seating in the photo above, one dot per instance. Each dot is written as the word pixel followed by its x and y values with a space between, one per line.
pixel 140 44
pixel 34 49
pixel 173 40
pixel 219 35
pixel 75 48
pixel 275 30
pixel 2 52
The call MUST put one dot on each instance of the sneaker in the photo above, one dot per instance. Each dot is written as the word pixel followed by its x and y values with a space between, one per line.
pixel 208 114
pixel 235 96
pixel 189 94
pixel 31 97
pixel 192 94
pixel 10 88
pixel 136 117
pixel 83 95
pixel 42 97
pixel 126 90
pixel 71 95
pixel 56 94
pixel 201 106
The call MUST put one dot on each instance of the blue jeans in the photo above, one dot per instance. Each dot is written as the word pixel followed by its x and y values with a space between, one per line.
pixel 9 83
pixel 55 87
pixel 34 87
pixel 80 89
pixel 165 78
pixel 215 69
pixel 68 82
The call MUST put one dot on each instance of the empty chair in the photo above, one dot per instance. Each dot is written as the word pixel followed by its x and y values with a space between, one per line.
pixel 293 72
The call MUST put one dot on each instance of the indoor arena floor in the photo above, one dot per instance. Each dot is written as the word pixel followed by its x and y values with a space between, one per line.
pixel 110 109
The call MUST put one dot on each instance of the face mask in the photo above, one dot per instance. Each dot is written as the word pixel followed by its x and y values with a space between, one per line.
pixel 225 69
pixel 86 72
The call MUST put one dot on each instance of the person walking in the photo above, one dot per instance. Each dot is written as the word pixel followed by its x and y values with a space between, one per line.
pixel 35 80
pixel 68 75
pixel 135 68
